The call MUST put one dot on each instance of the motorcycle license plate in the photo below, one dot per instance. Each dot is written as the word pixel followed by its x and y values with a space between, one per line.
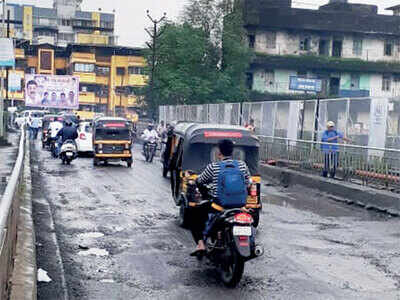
pixel 242 230
pixel 70 154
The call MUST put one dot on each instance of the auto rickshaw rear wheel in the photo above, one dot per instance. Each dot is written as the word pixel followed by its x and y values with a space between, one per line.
pixel 95 161
pixel 129 163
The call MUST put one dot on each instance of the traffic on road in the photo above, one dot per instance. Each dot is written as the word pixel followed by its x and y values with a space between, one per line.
pixel 196 221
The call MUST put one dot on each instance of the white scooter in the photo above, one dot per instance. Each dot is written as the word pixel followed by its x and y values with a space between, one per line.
pixel 68 152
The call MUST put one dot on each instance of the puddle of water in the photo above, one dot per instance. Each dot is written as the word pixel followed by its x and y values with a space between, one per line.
pixel 90 235
pixel 107 281
pixel 94 251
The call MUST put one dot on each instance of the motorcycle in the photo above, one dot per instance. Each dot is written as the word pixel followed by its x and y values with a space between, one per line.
pixel 68 152
pixel 232 243
pixel 150 150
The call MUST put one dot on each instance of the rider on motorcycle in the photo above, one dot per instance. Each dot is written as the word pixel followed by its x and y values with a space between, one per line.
pixel 149 134
pixel 68 132
pixel 216 174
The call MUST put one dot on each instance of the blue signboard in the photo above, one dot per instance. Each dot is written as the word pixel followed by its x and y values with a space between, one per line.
pixel 305 84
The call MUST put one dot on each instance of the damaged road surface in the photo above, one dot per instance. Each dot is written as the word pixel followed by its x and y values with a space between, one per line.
pixel 111 233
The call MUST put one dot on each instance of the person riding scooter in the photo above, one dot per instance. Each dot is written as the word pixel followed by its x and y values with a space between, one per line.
pixel 68 132
pixel 149 134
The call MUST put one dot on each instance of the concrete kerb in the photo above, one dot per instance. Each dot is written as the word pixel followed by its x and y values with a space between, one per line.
pixel 347 192
pixel 24 278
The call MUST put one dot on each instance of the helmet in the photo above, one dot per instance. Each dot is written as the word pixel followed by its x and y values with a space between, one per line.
pixel 330 124
pixel 68 122
pixel 150 126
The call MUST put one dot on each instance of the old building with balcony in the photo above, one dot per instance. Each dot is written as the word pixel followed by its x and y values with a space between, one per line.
pixel 354 50
pixel 61 25
pixel 110 76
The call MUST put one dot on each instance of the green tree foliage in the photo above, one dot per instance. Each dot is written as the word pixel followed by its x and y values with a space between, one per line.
pixel 193 65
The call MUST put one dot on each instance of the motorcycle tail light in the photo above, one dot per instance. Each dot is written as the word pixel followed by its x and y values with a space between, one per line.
pixel 100 146
pixel 243 218
pixel 126 146
pixel 82 136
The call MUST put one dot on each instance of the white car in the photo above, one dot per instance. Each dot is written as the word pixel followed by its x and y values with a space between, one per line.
pixel 84 140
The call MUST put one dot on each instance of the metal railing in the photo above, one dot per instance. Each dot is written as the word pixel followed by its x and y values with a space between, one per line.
pixel 379 167
pixel 9 211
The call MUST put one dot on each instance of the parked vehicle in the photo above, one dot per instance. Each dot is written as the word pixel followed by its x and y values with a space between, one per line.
pixel 68 152
pixel 84 141
pixel 112 141
pixel 193 146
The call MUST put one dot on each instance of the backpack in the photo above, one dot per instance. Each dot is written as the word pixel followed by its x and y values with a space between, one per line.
pixel 232 190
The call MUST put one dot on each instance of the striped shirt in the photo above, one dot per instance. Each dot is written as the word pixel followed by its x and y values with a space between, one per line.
pixel 211 173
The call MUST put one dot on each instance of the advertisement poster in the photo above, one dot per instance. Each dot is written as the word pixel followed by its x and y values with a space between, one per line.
pixel 378 125
pixel 14 82
pixel 52 91
pixel 7 57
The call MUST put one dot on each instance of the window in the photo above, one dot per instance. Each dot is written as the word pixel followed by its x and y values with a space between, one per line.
pixel 269 78
pixel 355 82
pixel 104 71
pixel 271 40
pixel 84 68
pixel 120 71
pixel 252 41
pixel 305 44
pixel 69 37
pixel 46 60
pixel 31 70
pixel 357 47
pixel 337 47
pixel 323 47
pixel 249 80
pixel 136 70
pixel 386 83
pixel 388 48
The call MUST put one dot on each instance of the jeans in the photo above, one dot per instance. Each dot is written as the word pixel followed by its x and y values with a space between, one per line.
pixel 33 133
pixel 331 164
pixel 212 218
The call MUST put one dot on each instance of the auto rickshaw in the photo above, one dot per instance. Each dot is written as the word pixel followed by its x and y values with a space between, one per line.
pixel 192 147
pixel 112 141
pixel 47 119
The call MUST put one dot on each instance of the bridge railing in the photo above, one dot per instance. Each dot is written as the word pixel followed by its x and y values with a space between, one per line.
pixel 9 211
pixel 373 166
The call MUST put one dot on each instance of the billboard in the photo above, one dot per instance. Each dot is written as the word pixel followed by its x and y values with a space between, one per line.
pixel 305 84
pixel 7 57
pixel 52 91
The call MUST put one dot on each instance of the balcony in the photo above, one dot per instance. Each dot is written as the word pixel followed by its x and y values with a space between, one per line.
pixel 87 98
pixel 138 80
pixel 314 62
pixel 83 57
pixel 86 77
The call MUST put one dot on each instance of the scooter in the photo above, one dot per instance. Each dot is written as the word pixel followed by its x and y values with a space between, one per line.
pixel 68 152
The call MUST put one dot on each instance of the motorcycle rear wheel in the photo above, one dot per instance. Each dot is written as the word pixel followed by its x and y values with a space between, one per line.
pixel 232 273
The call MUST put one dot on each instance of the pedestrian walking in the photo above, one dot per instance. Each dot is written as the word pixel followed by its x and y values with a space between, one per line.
pixel 33 128
pixel 331 154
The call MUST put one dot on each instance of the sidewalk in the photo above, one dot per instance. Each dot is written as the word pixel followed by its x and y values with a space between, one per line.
pixel 350 193
pixel 8 155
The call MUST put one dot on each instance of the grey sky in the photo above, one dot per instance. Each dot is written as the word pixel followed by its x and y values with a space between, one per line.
pixel 131 14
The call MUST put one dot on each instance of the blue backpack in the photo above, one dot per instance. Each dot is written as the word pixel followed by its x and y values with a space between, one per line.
pixel 232 190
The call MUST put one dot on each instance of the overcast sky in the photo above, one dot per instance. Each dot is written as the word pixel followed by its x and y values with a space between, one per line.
pixel 131 14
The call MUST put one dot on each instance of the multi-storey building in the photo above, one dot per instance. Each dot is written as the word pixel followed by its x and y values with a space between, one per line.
pixel 109 75
pixel 352 48
pixel 61 25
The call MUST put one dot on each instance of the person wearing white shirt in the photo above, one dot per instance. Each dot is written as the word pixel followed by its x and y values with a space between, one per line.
pixel 149 134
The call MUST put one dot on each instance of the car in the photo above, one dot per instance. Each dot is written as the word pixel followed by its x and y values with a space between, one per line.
pixel 84 141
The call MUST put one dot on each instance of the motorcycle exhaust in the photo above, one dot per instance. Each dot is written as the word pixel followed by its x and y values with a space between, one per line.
pixel 259 250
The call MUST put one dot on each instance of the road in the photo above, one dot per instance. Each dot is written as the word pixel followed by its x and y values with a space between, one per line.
pixel 316 248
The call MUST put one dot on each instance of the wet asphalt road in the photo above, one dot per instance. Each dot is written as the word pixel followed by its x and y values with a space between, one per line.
pixel 315 247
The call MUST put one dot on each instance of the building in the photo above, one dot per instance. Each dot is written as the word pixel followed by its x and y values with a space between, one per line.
pixel 109 75
pixel 352 48
pixel 61 25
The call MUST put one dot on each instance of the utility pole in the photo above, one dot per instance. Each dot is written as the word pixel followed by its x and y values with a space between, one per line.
pixel 154 35
pixel 3 34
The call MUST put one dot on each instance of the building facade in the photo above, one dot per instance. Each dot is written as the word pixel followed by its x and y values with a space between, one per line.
pixel 110 76
pixel 354 50
pixel 61 25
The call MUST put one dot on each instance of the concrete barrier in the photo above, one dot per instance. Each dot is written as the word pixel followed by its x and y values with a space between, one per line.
pixel 364 196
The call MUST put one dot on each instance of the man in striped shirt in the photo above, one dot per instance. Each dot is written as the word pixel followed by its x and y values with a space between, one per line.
pixel 211 176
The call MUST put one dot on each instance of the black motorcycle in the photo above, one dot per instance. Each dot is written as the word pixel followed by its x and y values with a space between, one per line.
pixel 231 244
pixel 150 150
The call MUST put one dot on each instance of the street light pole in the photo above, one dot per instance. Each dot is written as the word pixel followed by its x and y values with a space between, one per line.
pixel 3 27
pixel 154 35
